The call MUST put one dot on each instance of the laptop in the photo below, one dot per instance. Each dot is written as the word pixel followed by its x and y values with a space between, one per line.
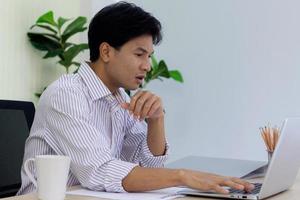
pixel 282 170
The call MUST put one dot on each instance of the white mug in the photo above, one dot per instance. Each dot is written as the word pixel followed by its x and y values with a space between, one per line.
pixel 52 175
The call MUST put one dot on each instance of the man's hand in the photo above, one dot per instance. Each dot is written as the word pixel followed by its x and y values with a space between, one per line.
pixel 144 179
pixel 145 104
pixel 212 182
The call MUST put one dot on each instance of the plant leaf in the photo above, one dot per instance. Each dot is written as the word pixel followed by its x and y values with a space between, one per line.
pixel 73 51
pixel 66 45
pixel 77 64
pixel 48 35
pixel 53 53
pixel 47 18
pixel 65 63
pixel 74 27
pixel 42 42
pixel 160 79
pixel 39 94
pixel 45 27
pixel 154 63
pixel 148 75
pixel 176 75
pixel 163 69
pixel 61 21
pixel 76 70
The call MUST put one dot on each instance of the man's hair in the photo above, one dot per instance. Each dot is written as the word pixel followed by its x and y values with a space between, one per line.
pixel 118 23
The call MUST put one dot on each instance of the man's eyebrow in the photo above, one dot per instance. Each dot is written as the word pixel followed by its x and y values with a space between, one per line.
pixel 144 50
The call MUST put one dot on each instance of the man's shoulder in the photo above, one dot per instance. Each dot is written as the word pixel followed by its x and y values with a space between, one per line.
pixel 68 84
pixel 65 93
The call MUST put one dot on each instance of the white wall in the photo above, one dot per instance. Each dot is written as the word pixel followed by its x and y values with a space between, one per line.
pixel 241 65
pixel 22 70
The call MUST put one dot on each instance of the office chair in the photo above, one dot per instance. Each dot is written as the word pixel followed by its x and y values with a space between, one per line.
pixel 16 118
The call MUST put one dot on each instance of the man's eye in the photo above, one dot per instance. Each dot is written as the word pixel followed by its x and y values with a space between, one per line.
pixel 139 55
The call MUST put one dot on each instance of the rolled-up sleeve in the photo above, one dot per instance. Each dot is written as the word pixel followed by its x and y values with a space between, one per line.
pixel 72 134
pixel 135 147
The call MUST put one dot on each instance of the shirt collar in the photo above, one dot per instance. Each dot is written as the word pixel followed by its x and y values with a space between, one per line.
pixel 95 85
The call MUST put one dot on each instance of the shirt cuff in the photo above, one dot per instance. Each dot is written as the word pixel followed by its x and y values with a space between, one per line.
pixel 116 171
pixel 149 160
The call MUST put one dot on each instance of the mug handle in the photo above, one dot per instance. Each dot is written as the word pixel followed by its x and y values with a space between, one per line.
pixel 29 174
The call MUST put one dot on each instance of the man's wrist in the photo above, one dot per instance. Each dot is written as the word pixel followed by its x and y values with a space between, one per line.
pixel 157 119
pixel 180 175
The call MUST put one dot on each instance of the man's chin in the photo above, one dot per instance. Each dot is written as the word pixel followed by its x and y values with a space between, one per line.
pixel 132 87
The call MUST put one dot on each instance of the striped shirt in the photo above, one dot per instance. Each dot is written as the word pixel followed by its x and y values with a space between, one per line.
pixel 79 117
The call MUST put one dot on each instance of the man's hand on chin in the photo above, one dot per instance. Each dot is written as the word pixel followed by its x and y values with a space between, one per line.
pixel 145 105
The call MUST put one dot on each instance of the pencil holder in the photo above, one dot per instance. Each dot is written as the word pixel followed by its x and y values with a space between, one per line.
pixel 270 154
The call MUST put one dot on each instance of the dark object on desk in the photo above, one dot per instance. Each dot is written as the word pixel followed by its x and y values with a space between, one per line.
pixel 16 118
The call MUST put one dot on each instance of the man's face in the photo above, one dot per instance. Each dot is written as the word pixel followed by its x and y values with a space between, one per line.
pixel 128 66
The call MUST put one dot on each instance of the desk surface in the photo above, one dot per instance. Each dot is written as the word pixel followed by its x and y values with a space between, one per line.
pixel 291 194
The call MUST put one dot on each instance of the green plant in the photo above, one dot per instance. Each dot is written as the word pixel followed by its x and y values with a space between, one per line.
pixel 159 70
pixel 54 38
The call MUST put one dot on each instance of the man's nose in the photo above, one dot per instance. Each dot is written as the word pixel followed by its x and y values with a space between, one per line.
pixel 146 66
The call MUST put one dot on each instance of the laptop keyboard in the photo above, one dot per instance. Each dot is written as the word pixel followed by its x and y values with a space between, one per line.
pixel 254 191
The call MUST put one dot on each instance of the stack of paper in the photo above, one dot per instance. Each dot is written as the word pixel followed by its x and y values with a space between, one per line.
pixel 165 194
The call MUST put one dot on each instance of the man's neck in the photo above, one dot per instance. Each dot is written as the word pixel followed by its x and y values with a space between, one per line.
pixel 99 69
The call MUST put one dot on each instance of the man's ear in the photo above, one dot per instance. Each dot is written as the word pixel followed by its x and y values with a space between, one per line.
pixel 105 51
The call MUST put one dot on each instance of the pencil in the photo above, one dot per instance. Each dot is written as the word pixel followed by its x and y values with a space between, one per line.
pixel 270 136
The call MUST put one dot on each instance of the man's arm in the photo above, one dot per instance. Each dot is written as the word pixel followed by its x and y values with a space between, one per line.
pixel 143 179
pixel 70 132
pixel 145 104
pixel 156 138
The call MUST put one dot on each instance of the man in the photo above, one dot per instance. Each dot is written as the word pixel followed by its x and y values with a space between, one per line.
pixel 88 116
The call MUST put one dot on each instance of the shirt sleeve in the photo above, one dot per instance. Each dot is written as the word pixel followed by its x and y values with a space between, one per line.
pixel 72 134
pixel 135 147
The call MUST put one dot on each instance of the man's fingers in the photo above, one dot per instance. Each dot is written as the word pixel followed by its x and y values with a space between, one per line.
pixel 247 186
pixel 143 104
pixel 213 186
pixel 232 184
pixel 220 189
pixel 140 103
pixel 147 106
pixel 209 182
pixel 154 108
pixel 134 99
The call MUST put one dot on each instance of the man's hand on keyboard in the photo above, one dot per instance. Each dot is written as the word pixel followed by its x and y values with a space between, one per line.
pixel 212 182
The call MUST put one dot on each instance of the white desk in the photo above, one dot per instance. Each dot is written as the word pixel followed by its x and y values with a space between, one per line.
pixel 292 194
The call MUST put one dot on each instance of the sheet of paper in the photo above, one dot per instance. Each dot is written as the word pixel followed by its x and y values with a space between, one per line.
pixel 164 194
